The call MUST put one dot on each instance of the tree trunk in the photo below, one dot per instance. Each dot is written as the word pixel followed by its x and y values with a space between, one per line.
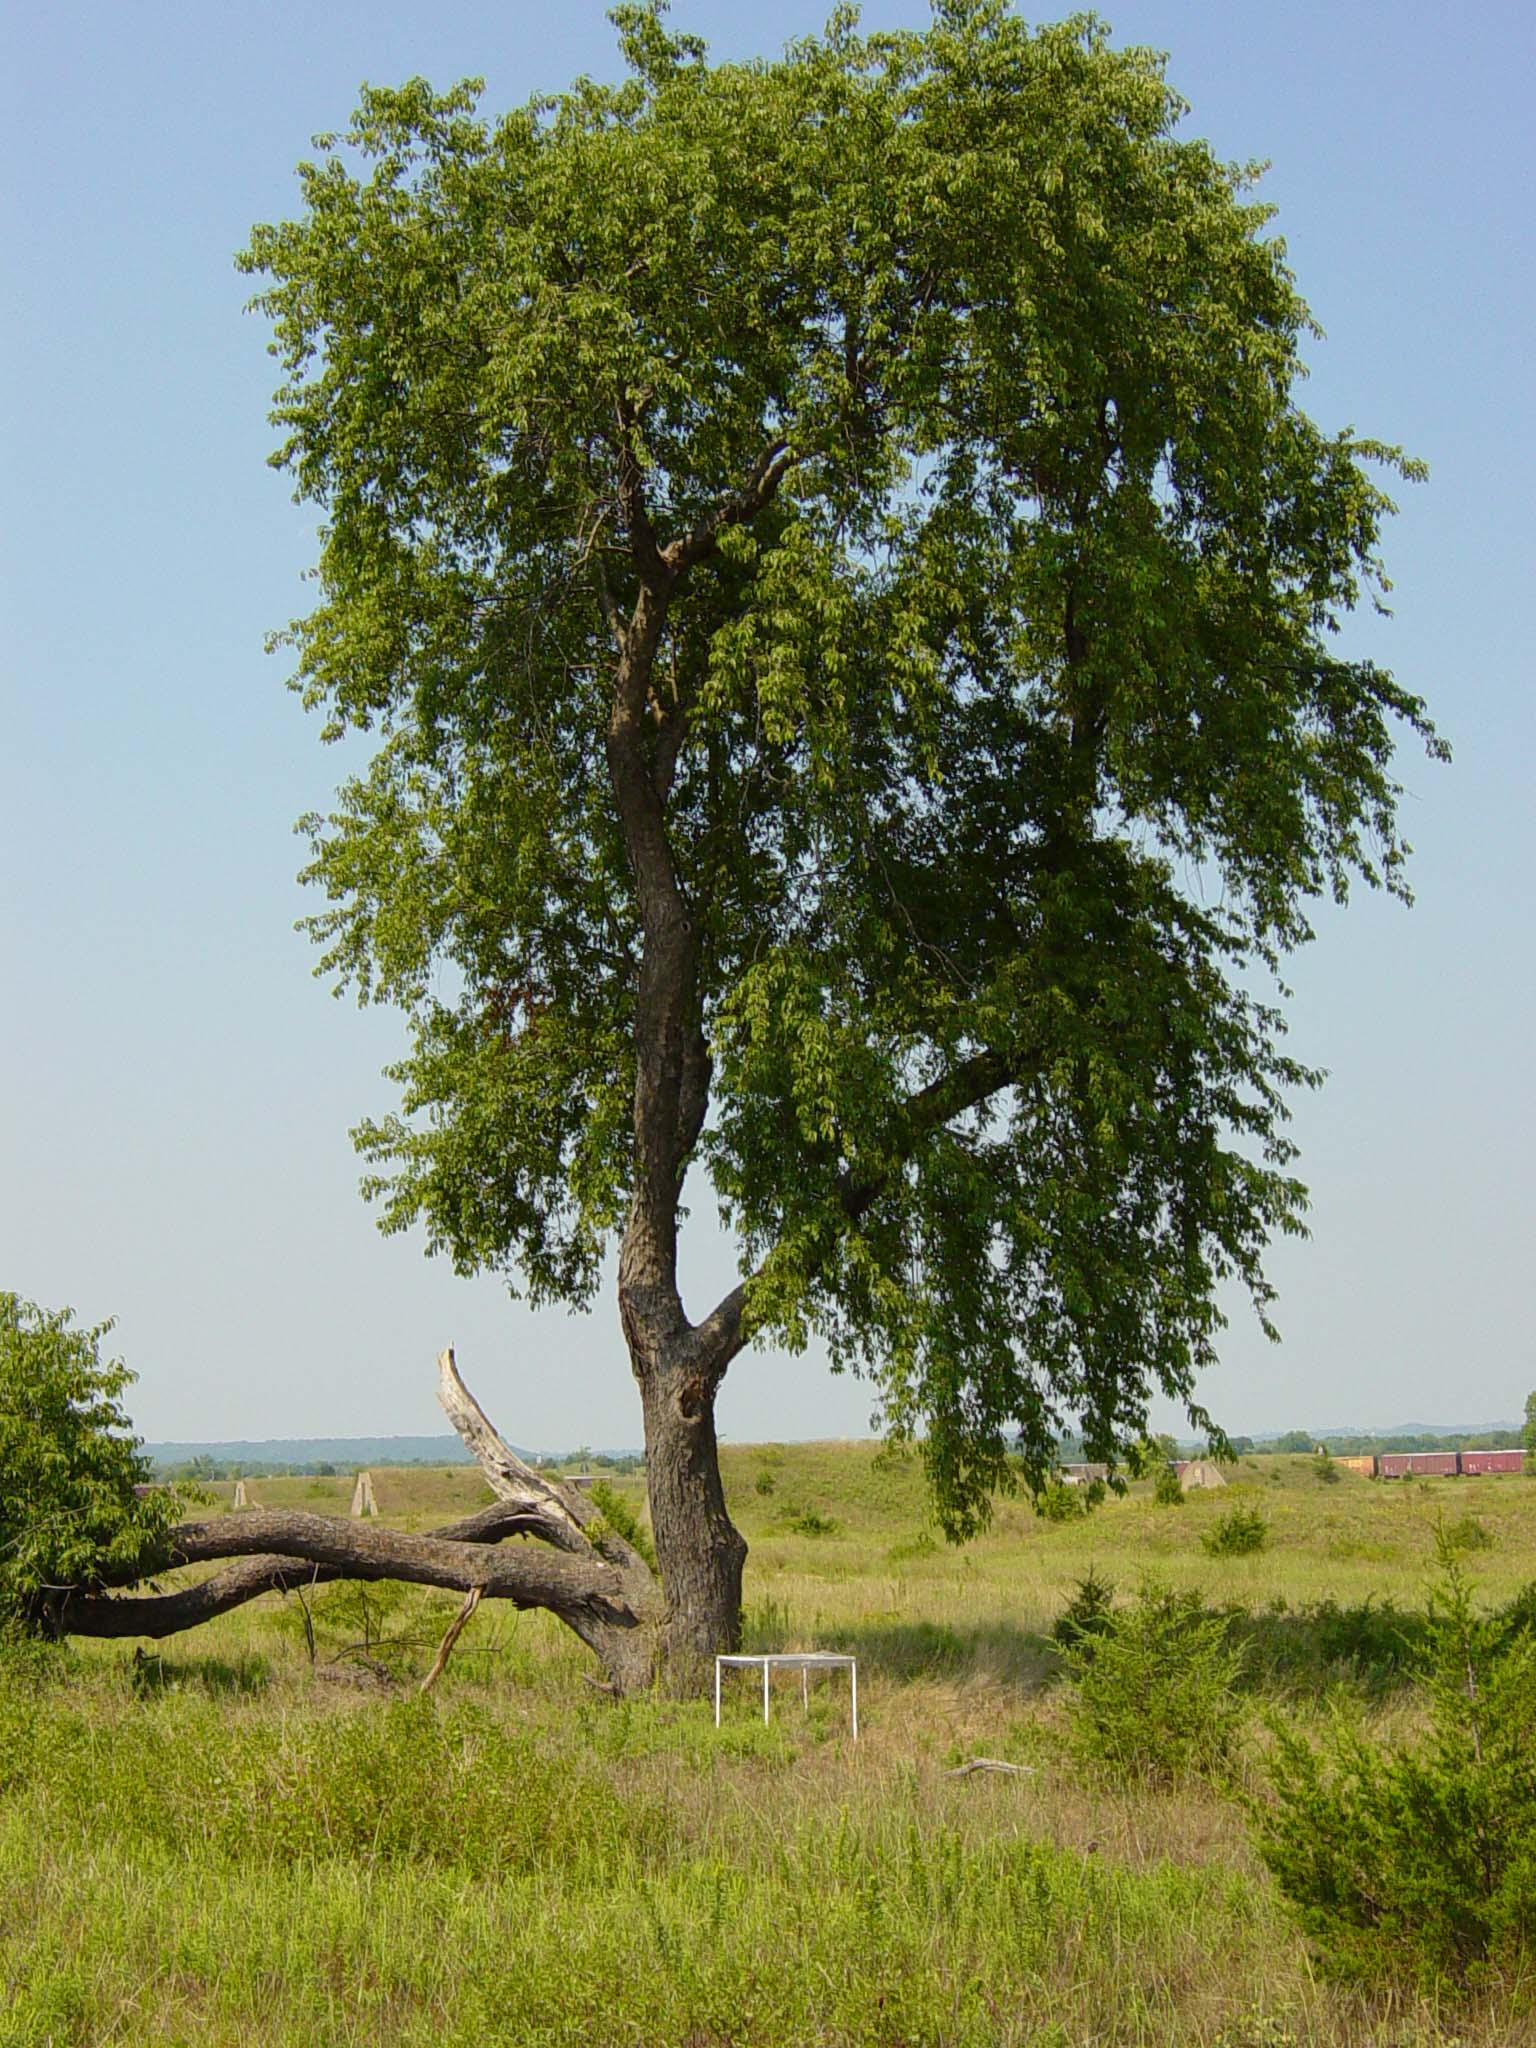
pixel 699 1550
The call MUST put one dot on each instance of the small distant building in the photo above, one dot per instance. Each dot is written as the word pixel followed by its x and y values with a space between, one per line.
pixel 1195 1472
pixel 1083 1475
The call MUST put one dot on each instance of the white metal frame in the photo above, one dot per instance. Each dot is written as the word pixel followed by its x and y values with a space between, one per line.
pixel 803 1661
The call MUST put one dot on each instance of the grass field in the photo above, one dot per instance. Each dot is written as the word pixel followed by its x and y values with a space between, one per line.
pixel 220 1844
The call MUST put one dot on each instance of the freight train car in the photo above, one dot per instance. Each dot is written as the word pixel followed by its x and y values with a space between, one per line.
pixel 1365 1466
pixel 1492 1461
pixel 1419 1464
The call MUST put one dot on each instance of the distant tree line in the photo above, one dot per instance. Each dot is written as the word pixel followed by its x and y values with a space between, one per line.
pixel 1300 1440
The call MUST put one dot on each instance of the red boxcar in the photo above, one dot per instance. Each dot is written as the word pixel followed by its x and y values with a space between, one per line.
pixel 1493 1461
pixel 1418 1464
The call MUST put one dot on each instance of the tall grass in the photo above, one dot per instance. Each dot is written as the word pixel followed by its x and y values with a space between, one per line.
pixel 217 1845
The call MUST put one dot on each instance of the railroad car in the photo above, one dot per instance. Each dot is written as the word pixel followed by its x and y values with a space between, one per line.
pixel 1493 1461
pixel 1419 1464
pixel 1365 1466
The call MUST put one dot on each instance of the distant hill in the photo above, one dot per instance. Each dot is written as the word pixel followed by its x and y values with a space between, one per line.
pixel 346 1452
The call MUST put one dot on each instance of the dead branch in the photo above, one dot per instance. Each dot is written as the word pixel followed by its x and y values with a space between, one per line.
pixel 455 1629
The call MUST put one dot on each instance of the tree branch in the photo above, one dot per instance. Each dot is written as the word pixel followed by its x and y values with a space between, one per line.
pixel 284 1549
pixel 553 1513
pixel 967 1086
pixel 768 472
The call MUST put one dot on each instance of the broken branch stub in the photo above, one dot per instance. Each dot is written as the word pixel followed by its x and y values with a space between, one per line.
pixel 557 1513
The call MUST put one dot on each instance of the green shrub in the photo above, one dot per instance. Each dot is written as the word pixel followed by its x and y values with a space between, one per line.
pixel 69 1514
pixel 1468 1533
pixel 1157 1689
pixel 765 1483
pixel 1373 1647
pixel 1240 1532
pixel 1057 1502
pixel 809 1522
pixel 1325 1470
pixel 1419 1861
pixel 1167 1490
pixel 1086 1616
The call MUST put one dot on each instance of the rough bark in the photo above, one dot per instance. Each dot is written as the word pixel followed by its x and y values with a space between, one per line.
pixel 677 1365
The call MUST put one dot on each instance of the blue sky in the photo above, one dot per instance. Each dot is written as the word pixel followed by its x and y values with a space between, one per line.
pixel 176 1088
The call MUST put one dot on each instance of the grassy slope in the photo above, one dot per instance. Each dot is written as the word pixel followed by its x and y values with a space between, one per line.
pixel 218 1847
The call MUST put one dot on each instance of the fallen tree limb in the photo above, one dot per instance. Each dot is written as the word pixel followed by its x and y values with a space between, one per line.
pixel 990 1763
pixel 598 1585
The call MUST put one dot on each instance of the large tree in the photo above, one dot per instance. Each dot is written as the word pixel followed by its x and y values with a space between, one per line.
pixel 845 600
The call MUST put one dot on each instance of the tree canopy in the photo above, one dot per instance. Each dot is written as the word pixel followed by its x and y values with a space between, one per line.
pixel 845 597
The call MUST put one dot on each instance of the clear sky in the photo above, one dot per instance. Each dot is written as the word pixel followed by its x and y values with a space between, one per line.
pixel 176 1088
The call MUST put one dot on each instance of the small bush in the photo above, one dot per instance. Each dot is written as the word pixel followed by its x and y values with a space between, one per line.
pixel 1420 1861
pixel 1325 1470
pixel 1058 1502
pixel 1167 1490
pixel 1373 1647
pixel 1468 1533
pixel 809 1522
pixel 765 1482
pixel 1240 1532
pixel 1157 1690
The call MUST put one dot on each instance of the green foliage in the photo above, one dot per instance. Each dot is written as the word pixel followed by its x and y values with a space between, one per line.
pixel 1088 1615
pixel 1468 1533
pixel 1167 1491
pixel 620 1514
pixel 1528 1432
pixel 1058 1502
pixel 1241 1532
pixel 1325 1470
pixel 1035 623
pixel 1294 1441
pixel 1418 1860
pixel 764 1483
pixel 809 1522
pixel 1370 1647
pixel 69 1513
pixel 1156 1689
